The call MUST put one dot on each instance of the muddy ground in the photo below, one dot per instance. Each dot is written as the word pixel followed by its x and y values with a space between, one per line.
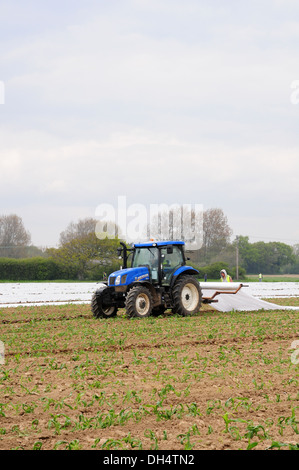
pixel 211 381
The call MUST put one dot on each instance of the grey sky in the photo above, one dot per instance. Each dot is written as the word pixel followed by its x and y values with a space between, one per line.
pixel 162 101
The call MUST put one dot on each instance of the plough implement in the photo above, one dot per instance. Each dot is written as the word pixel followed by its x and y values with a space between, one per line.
pixel 210 290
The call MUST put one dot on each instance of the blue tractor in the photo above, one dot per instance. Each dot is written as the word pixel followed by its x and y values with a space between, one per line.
pixel 158 279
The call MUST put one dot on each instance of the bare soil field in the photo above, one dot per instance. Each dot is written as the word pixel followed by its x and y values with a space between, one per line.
pixel 211 381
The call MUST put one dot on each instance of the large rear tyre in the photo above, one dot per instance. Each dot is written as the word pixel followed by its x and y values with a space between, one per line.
pixel 98 307
pixel 187 296
pixel 139 302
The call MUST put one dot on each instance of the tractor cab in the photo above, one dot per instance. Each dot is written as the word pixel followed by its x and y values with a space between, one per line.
pixel 161 259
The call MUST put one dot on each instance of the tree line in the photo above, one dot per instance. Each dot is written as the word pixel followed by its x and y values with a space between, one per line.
pixel 82 255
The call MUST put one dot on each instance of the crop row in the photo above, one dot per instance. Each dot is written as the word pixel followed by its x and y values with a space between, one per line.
pixel 223 381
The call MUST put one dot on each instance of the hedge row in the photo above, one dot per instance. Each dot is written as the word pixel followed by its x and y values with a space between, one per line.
pixel 47 269
pixel 33 269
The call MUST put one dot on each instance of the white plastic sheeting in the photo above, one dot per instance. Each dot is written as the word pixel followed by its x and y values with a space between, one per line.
pixel 242 299
pixel 55 293
pixel 51 293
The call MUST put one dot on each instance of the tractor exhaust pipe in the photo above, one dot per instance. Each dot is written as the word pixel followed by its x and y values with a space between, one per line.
pixel 124 253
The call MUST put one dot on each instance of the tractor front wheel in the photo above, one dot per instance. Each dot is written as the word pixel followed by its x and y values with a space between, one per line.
pixel 187 296
pixel 139 302
pixel 98 307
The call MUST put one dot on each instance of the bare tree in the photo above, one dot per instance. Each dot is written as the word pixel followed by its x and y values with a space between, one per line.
pixel 296 250
pixel 176 223
pixel 216 231
pixel 78 229
pixel 13 236
pixel 85 227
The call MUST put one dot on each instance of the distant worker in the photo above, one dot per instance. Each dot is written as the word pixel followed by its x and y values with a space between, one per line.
pixel 206 277
pixel 260 277
pixel 224 276
pixel 104 276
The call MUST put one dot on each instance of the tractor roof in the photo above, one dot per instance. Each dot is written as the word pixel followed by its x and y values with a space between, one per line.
pixel 160 243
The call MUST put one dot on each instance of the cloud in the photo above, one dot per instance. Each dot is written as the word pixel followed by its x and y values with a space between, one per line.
pixel 161 101
pixel 102 59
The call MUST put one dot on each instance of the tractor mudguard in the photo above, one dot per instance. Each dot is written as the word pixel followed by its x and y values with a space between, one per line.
pixel 104 292
pixel 183 270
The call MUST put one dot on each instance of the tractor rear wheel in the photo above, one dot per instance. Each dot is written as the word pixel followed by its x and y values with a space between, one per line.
pixel 187 296
pixel 139 302
pixel 98 307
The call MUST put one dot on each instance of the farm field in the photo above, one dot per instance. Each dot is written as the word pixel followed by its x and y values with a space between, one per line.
pixel 211 381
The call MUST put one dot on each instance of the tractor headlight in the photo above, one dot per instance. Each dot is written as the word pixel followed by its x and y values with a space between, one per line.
pixel 117 280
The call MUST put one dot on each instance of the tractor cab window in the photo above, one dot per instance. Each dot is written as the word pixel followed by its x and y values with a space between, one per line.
pixel 149 257
pixel 171 258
